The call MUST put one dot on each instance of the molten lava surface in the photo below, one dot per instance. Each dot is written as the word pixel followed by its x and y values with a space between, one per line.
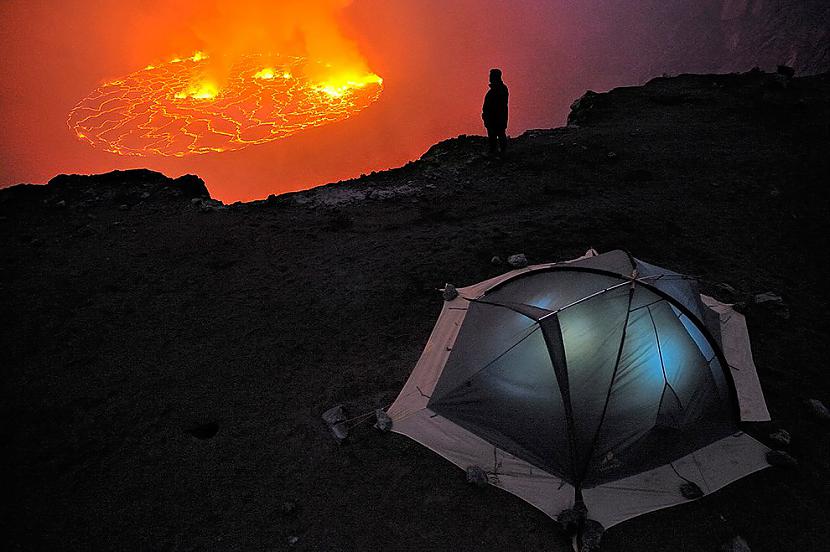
pixel 173 109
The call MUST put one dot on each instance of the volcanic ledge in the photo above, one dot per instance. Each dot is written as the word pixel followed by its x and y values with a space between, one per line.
pixel 167 357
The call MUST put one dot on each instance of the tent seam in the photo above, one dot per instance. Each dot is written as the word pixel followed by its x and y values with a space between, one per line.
pixel 610 386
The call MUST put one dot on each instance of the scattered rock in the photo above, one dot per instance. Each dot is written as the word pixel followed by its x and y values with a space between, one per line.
pixel 612 155
pixel 383 421
pixel 123 207
pixel 571 520
pixel 773 302
pixel 61 203
pixel 477 476
pixel 818 409
pixel 207 205
pixel 292 540
pixel 781 437
pixel 592 536
pixel 781 459
pixel 449 292
pixel 690 490
pixel 775 192
pixel 767 297
pixel 727 290
pixel 517 261
pixel 496 260
pixel 737 544
pixel 204 431
pixel 145 195
pixel 335 418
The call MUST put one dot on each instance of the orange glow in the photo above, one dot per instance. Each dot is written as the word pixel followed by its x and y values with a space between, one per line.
pixel 229 98
pixel 173 110
pixel 226 95
pixel 433 57
pixel 267 73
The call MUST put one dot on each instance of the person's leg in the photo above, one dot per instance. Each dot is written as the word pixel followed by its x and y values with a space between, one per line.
pixel 503 141
pixel 492 137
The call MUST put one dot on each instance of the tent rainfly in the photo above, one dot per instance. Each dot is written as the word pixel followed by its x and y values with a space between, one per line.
pixel 603 384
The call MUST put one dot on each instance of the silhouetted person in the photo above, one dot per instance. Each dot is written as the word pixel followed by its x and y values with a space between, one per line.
pixel 494 113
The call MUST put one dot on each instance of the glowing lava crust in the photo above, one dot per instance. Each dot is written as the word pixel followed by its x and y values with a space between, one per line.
pixel 171 109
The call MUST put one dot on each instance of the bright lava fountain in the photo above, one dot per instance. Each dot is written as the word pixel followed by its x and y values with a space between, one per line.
pixel 172 109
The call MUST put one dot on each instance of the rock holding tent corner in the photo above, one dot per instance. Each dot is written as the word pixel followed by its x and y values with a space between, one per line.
pixel 449 292
pixel 477 476
pixel 592 536
pixel 383 421
pixel 571 520
pixel 690 490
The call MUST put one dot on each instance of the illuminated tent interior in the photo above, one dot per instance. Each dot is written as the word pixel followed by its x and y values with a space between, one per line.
pixel 604 383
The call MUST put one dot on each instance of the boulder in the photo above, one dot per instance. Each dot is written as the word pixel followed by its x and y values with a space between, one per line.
pixel 581 107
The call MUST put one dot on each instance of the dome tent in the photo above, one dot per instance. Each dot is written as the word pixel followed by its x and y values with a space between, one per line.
pixel 604 383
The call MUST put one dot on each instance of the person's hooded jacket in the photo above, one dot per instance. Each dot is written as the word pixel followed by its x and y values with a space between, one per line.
pixel 494 112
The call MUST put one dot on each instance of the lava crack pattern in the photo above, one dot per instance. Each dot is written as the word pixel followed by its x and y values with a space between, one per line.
pixel 166 110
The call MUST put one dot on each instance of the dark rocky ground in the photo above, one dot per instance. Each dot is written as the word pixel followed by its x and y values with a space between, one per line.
pixel 166 359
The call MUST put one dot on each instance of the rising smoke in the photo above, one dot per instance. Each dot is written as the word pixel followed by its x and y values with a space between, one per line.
pixel 227 30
